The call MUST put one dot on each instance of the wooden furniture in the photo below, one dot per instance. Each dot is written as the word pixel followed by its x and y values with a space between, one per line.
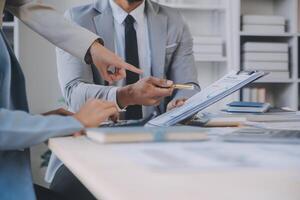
pixel 110 175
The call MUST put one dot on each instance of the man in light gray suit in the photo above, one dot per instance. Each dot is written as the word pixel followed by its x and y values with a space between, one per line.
pixel 145 34
pixel 164 48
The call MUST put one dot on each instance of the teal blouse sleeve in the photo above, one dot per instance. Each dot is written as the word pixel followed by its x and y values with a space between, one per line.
pixel 19 130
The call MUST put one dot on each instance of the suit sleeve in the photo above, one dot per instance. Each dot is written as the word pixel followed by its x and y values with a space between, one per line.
pixel 19 130
pixel 182 69
pixel 76 80
pixel 47 22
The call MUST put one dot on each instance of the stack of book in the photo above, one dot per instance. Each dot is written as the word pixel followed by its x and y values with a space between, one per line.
pixel 208 47
pixel 255 95
pixel 267 56
pixel 247 107
pixel 258 94
pixel 263 24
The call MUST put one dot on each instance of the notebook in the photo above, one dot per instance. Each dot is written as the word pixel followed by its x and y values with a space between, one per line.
pixel 142 134
pixel 263 19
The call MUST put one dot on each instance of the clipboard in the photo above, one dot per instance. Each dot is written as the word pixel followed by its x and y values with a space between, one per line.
pixel 217 91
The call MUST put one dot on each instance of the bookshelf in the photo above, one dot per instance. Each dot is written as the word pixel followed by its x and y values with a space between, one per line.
pixel 223 18
pixel 266 35
pixel 282 91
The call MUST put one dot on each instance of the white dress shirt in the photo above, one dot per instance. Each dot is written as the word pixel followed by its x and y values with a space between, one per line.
pixel 142 34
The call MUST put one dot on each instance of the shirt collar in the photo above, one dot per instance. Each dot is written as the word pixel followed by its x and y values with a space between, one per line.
pixel 120 15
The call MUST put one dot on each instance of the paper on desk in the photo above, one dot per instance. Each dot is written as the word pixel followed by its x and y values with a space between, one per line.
pixel 209 95
pixel 294 125
pixel 211 155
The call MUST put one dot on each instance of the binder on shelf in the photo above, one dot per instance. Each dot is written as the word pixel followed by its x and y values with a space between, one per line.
pixel 253 95
pixel 270 66
pixel 266 47
pixel 279 57
pixel 246 94
pixel 261 95
pixel 264 29
pixel 263 19
pixel 230 83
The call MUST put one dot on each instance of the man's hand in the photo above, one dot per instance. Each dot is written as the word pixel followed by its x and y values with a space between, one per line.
pixel 60 111
pixel 94 112
pixel 175 103
pixel 104 59
pixel 148 92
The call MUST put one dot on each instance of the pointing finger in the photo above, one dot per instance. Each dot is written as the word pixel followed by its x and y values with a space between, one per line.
pixel 129 67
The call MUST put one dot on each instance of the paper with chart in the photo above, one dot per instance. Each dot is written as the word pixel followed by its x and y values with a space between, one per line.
pixel 230 83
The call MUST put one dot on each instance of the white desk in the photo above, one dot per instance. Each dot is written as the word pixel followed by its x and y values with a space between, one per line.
pixel 109 175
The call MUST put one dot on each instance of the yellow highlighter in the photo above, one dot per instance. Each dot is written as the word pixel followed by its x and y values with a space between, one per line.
pixel 183 86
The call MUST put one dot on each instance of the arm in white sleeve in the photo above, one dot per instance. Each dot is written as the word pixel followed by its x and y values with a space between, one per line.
pixel 50 24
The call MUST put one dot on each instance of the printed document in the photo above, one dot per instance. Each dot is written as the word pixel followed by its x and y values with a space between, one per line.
pixel 230 83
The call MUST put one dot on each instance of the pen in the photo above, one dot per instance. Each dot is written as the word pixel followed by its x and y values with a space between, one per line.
pixel 183 86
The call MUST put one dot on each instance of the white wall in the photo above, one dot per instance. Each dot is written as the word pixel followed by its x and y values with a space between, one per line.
pixel 37 58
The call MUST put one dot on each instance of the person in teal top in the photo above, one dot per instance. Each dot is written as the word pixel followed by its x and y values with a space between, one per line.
pixel 18 129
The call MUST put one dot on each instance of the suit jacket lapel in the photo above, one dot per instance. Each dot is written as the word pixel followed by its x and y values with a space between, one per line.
pixel 104 24
pixel 157 24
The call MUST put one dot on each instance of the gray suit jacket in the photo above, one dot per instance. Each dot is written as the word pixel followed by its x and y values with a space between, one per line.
pixel 171 47
pixel 46 21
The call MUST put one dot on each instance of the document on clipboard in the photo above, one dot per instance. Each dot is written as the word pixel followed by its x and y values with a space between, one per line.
pixel 225 86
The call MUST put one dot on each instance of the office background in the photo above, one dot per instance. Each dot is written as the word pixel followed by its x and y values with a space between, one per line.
pixel 226 47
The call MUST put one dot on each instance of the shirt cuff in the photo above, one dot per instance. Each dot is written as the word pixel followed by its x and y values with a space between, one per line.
pixel 88 56
pixel 112 96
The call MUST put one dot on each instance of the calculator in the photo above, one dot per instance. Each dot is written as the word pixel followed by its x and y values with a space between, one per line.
pixel 129 123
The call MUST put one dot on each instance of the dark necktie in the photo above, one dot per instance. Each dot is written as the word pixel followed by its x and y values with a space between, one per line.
pixel 132 57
